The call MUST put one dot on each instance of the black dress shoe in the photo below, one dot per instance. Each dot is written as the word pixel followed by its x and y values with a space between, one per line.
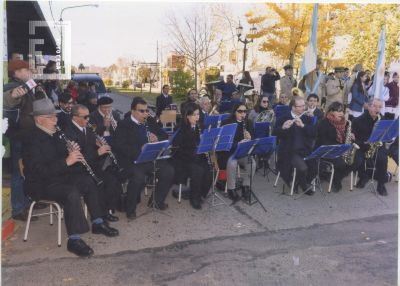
pixel 131 215
pixel 361 183
pixel 195 204
pixel 138 200
pixel 79 247
pixel 233 194
pixel 309 192
pixel 24 216
pixel 110 218
pixel 246 192
pixel 382 190
pixel 296 187
pixel 336 186
pixel 159 205
pixel 102 228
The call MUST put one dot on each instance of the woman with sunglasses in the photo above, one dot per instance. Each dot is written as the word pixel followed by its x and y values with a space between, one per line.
pixel 186 162
pixel 225 160
pixel 332 130
pixel 261 105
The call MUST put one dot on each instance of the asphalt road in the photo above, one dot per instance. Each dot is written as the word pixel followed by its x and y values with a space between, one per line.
pixel 296 242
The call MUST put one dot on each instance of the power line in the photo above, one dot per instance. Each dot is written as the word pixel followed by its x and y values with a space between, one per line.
pixel 51 11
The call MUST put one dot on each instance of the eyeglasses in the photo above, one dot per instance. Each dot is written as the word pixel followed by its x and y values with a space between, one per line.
pixel 143 110
pixel 241 111
pixel 84 117
pixel 50 117
pixel 70 103
pixel 301 106
pixel 265 101
pixel 376 106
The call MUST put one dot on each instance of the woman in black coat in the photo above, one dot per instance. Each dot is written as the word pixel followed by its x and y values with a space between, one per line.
pixel 186 162
pixel 333 130
pixel 225 161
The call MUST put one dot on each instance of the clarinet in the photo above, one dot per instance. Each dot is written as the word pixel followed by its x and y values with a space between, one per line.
pixel 147 130
pixel 207 154
pixel 102 144
pixel 98 182
pixel 244 130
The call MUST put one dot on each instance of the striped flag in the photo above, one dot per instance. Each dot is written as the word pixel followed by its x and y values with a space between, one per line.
pixel 377 87
pixel 310 57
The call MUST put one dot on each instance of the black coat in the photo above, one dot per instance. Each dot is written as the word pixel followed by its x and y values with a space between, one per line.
pixel 223 156
pixel 186 102
pixel 362 129
pixel 327 134
pixel 64 120
pixel 128 143
pixel 188 142
pixel 286 140
pixel 44 157
pixel 97 118
pixel 83 96
pixel 319 114
pixel 90 106
pixel 162 102
pixel 202 116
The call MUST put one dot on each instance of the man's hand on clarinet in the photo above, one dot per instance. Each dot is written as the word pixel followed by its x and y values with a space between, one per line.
pixel 74 157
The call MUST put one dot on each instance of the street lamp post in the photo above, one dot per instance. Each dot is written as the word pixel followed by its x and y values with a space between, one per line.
pixel 61 46
pixel 239 31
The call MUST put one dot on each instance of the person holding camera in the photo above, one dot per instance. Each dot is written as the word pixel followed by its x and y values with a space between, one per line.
pixel 268 83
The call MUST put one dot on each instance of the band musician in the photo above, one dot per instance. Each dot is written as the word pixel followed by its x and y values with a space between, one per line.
pixel 104 117
pixel 205 108
pixel 163 100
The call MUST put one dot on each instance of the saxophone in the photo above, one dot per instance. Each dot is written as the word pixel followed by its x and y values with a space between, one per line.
pixel 348 157
pixel 374 146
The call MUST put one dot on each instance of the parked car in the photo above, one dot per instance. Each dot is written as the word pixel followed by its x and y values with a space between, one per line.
pixel 94 77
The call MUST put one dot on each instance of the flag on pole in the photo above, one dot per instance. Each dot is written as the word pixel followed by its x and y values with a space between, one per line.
pixel 310 57
pixel 377 87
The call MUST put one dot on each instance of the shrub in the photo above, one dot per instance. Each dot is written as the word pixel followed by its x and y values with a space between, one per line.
pixel 125 84
pixel 181 81
pixel 108 81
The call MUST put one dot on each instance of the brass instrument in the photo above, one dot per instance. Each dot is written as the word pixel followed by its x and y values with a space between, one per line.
pixel 113 122
pixel 215 105
pixel 348 157
pixel 112 156
pixel 154 109
pixel 69 144
pixel 210 89
pixel 265 116
pixel 250 98
pixel 374 146
pixel 297 92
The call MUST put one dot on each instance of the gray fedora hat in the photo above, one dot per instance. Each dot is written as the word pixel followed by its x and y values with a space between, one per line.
pixel 43 106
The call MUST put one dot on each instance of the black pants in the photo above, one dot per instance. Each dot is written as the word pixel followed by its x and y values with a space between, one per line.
pixel 381 165
pixel 389 116
pixel 109 190
pixel 137 176
pixel 342 170
pixel 306 170
pixel 201 179
pixel 66 190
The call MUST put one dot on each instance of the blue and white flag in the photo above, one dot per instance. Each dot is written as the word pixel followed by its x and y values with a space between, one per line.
pixel 310 57
pixel 377 87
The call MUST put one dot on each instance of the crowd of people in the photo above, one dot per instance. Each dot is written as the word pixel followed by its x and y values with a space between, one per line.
pixel 60 137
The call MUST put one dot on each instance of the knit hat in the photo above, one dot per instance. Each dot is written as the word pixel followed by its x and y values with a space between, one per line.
pixel 93 94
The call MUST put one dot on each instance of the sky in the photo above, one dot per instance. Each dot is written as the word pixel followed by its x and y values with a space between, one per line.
pixel 115 29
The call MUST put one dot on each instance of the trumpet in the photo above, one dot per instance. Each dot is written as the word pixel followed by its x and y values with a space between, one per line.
pixel 113 122
pixel 292 121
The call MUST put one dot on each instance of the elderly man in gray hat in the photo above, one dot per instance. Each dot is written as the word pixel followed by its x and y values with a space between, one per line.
pixel 52 172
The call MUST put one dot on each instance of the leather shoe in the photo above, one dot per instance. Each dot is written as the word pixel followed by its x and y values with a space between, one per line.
pixel 361 183
pixel 336 186
pixel 246 192
pixel 195 204
pixel 296 187
pixel 159 205
pixel 24 216
pixel 131 215
pixel 309 192
pixel 110 218
pixel 233 194
pixel 138 200
pixel 102 228
pixel 79 247
pixel 382 190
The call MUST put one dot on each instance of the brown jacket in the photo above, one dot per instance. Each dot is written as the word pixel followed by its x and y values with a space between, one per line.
pixel 287 83
pixel 335 93
pixel 310 79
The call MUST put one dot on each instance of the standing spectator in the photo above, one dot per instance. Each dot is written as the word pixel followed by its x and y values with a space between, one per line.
pixel 229 88
pixel 368 82
pixel 92 86
pixel 346 77
pixel 288 82
pixel 393 97
pixel 15 56
pixel 52 90
pixel 357 68
pixel 246 80
pixel 336 89
pixel 163 100
pixel 221 85
pixel 83 92
pixel 39 87
pixel 74 90
pixel 92 103
pixel 268 83
pixel 358 100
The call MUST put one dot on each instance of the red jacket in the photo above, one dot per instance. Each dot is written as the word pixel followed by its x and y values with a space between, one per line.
pixel 393 93
pixel 74 93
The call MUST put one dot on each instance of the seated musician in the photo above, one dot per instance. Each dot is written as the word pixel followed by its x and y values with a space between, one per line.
pixel 130 139
pixel 95 155
pixel 205 108
pixel 333 130
pixel 218 95
pixel 261 105
pixel 363 126
pixel 102 117
pixel 53 174
pixel 225 160
pixel 312 102
pixel 192 97
pixel 394 151
pixel 163 100
pixel 295 136
pixel 283 99
pixel 235 95
pixel 186 162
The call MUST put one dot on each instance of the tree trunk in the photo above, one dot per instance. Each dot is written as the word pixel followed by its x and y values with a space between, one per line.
pixel 291 59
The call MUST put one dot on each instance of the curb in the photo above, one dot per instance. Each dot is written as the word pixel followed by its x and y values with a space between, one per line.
pixel 8 228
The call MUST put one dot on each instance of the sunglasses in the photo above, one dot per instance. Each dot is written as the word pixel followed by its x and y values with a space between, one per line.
pixel 143 110
pixel 85 117
pixel 265 101
pixel 241 111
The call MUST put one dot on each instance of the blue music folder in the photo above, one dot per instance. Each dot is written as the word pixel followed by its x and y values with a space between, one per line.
pixel 108 138
pixel 330 151
pixel 243 149
pixel 224 106
pixel 281 110
pixel 264 144
pixel 262 129
pixel 211 120
pixel 221 139
pixel 385 130
pixel 151 151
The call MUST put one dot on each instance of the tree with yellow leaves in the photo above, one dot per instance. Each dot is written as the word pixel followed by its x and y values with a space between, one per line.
pixel 285 28
pixel 363 23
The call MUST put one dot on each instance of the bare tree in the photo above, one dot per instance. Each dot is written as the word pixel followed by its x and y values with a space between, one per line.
pixel 122 69
pixel 193 36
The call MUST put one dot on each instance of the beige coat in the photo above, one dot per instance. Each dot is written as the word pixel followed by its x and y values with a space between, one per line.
pixel 310 81
pixel 334 93
pixel 287 83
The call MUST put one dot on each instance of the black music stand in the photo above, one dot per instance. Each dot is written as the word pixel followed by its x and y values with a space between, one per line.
pixel 325 152
pixel 216 139
pixel 262 130
pixel 385 131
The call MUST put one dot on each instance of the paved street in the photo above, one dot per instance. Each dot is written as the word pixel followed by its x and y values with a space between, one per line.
pixel 296 242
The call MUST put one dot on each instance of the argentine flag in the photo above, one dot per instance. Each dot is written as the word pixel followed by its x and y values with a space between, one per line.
pixel 310 56
pixel 377 87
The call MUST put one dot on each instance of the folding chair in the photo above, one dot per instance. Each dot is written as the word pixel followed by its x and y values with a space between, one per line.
pixel 168 116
